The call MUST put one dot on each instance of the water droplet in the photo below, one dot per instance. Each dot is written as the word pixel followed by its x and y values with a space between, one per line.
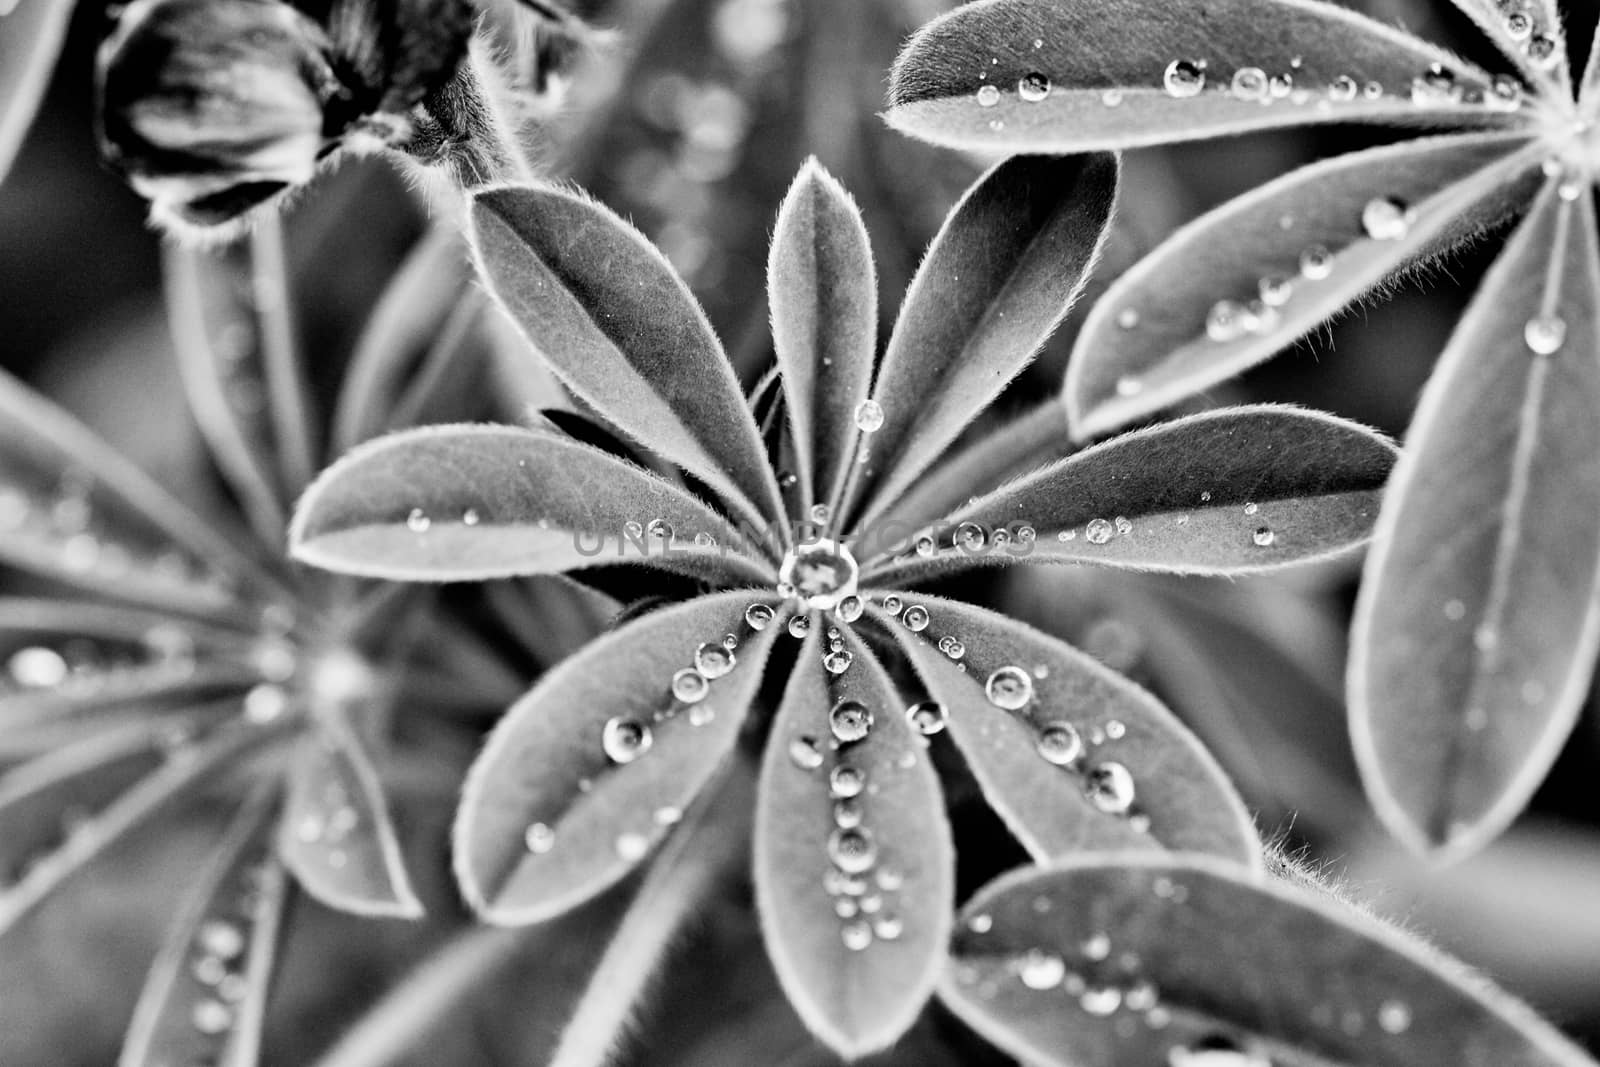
pixel 1544 52
pixel 1385 219
pixel 1110 788
pixel 926 545
pixel 927 717
pixel 915 618
pixel 631 846
pixel 1041 970
pixel 988 95
pixel 690 686
pixel 221 939
pixel 212 1017
pixel 847 813
pixel 952 647
pixel 857 936
pixel 37 667
pixel 470 517
pixel 846 781
pixel 1505 94
pixel 850 608
pixel 1570 191
pixel 625 740
pixel 837 661
pixel 805 754
pixel 1111 98
pixel 1009 687
pixel 539 838
pixel 1184 78
pixel 1250 83
pixel 1545 334
pixel 1099 531
pixel 1372 90
pixel 264 703
pixel 888 927
pixel 1097 947
pixel 1343 89
pixel 1033 87
pixel 1316 263
pixel 799 625
pixel 1059 743
pixel 1101 1001
pixel 632 530
pixel 1128 318
pixel 1263 536
pixel 1280 86
pixel 1519 25
pixel 1275 290
pixel 1394 1016
pixel 850 720
pixel 852 850
pixel 1127 385
pixel 714 660
pixel 418 521
pixel 1436 85
pixel 1216 1050
pixel 758 616
pixel 819 572
pixel 1227 321
pixel 1123 524
pixel 1116 729
pixel 869 416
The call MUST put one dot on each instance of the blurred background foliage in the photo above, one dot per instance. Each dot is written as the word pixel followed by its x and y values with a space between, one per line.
pixel 692 124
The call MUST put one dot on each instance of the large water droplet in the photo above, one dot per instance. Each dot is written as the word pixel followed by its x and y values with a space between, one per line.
pixel 1041 970
pixel 1059 743
pixel 690 686
pixel 837 661
pixel 1544 51
pixel 1033 87
pixel 915 618
pixel 852 850
pixel 1099 531
pixel 799 625
pixel 820 573
pixel 625 740
pixel 846 781
pixel 1263 536
pixel 539 838
pixel 1545 334
pixel 1110 788
pixel 988 95
pixel 927 717
pixel 1101 1001
pixel 1009 687
pixel 869 416
pixel 758 616
pixel 714 660
pixel 850 720
pixel 1385 219
pixel 37 667
pixel 1184 78
pixel 850 608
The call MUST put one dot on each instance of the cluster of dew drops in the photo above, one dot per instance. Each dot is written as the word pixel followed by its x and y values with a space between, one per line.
pixel 1109 984
pixel 220 953
pixel 972 537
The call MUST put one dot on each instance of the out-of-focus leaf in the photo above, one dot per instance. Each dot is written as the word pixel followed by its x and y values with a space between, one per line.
pixel 1515 29
pixel 824 298
pixel 1071 754
pixel 204 998
pixel 1201 958
pixel 608 312
pixel 1589 91
pixel 1032 440
pixel 1051 76
pixel 854 867
pixel 166 781
pixel 997 280
pixel 1232 491
pixel 548 817
pixel 31 34
pixel 72 508
pixel 1244 281
pixel 458 503
pixel 1477 627
pixel 337 836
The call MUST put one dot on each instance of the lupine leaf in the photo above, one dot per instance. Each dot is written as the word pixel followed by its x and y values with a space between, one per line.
pixel 1055 767
pixel 204 997
pixel 997 280
pixel 337 836
pixel 1477 626
pixel 31 35
pixel 1237 285
pixel 71 508
pixel 1589 91
pixel 854 891
pixel 619 326
pixel 1232 491
pixel 458 503
pixel 1493 17
pixel 824 298
pixel 147 796
pixel 1202 958
pixel 1106 67
pixel 547 819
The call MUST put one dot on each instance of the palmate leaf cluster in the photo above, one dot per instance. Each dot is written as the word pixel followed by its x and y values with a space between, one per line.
pixel 825 678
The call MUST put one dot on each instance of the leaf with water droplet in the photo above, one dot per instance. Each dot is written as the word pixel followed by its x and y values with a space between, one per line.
pixel 1237 285
pixel 824 297
pixel 55 782
pixel 621 329
pixel 1040 785
pixel 1106 64
pixel 1476 629
pixel 74 509
pixel 31 35
pixel 1205 955
pixel 541 503
pixel 545 766
pixel 1172 498
pixel 336 835
pixel 205 996
pixel 855 904
pixel 1513 26
pixel 1000 276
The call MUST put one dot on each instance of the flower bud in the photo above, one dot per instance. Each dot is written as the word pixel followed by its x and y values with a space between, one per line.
pixel 211 107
